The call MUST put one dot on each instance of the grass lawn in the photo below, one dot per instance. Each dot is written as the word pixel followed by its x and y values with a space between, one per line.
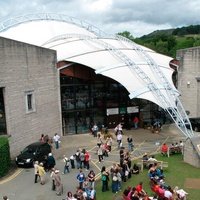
pixel 176 174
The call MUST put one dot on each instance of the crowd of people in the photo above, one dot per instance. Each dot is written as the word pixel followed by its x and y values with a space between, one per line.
pixel 86 182
pixel 172 148
pixel 161 188
pixel 120 172
pixel 112 179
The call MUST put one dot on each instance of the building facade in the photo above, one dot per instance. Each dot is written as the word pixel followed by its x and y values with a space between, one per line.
pixel 29 93
pixel 88 98
pixel 189 79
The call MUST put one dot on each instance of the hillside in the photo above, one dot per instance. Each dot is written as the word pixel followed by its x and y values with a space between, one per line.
pixel 170 40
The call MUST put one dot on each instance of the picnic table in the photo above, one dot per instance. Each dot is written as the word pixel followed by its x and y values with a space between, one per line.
pixel 160 164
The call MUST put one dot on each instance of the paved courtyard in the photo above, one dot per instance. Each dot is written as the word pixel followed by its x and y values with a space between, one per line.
pixel 20 184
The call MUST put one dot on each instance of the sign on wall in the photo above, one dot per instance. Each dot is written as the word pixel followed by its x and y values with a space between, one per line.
pixel 133 109
pixel 122 110
pixel 112 111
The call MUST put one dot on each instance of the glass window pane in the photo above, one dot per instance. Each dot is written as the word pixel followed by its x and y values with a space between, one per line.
pixel 29 101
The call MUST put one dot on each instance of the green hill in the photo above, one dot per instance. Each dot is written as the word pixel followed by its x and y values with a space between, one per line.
pixel 170 40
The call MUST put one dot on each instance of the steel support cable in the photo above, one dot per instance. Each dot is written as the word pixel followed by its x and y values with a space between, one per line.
pixel 178 115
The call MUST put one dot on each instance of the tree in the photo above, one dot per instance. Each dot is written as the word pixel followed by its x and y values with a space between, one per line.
pixel 126 34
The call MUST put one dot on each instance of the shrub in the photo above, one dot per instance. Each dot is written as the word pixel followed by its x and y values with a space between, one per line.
pixel 5 156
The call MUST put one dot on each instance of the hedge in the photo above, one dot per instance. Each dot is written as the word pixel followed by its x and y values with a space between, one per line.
pixel 5 160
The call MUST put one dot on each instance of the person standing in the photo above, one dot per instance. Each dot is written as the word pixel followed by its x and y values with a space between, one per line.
pixel 109 143
pixel 121 155
pixel 36 164
pixel 87 160
pixel 72 159
pixel 130 143
pixel 100 153
pixel 119 140
pixel 135 122
pixel 95 130
pixel 50 161
pixel 181 145
pixel 41 173
pixel 91 177
pixel 114 183
pixel 99 140
pixel 58 183
pixel 78 160
pixel 56 139
pixel 118 129
pixel 80 177
pixel 66 166
pixel 104 179
pixel 82 159
pixel 52 175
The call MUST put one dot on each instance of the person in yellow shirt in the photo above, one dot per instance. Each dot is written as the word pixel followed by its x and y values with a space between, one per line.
pixel 41 173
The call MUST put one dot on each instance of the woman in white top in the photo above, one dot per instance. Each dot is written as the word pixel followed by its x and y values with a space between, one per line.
pixel 36 170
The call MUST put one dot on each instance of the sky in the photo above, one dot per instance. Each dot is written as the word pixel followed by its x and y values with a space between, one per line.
pixel 139 17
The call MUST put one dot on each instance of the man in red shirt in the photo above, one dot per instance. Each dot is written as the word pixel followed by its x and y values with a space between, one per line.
pixel 135 121
pixel 164 149
pixel 87 160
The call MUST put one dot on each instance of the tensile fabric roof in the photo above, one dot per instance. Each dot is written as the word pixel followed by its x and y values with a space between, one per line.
pixel 143 72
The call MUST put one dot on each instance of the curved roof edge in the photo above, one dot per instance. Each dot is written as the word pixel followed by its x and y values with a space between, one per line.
pixel 6 24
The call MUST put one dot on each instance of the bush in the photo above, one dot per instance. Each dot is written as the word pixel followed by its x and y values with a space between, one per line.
pixel 5 156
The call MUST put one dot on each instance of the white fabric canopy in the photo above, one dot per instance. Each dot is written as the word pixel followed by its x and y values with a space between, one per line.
pixel 143 72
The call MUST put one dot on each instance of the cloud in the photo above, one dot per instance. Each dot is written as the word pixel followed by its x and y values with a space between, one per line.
pixel 136 16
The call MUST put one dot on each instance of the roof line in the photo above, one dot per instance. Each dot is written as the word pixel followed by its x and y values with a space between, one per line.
pixel 9 23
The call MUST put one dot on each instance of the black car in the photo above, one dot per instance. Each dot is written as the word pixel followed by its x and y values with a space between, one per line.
pixel 35 151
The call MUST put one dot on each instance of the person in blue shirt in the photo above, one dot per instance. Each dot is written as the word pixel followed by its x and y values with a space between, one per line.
pixel 80 177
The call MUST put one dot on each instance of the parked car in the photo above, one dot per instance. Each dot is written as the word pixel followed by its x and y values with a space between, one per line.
pixel 195 123
pixel 35 151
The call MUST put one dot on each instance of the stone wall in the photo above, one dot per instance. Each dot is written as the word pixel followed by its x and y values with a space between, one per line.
pixel 188 84
pixel 191 154
pixel 25 68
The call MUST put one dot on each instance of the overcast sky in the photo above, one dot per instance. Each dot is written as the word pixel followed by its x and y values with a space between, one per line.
pixel 139 17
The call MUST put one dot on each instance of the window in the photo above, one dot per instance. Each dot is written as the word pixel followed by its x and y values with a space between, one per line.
pixel 30 102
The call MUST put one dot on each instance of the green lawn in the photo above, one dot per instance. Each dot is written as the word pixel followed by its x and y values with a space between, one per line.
pixel 176 174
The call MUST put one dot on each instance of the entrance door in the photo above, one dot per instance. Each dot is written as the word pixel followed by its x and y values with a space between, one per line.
pixel 112 121
pixel 82 121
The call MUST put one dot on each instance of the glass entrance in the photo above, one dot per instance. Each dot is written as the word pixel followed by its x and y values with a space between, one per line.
pixel 86 97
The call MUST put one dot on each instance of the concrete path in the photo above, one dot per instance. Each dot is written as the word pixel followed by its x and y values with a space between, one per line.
pixel 20 185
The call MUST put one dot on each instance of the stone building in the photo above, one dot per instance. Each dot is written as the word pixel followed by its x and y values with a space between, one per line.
pixel 29 92
pixel 189 88
pixel 189 79
pixel 192 151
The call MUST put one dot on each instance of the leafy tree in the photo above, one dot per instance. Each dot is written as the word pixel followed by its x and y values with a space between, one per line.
pixel 126 34
pixel 162 47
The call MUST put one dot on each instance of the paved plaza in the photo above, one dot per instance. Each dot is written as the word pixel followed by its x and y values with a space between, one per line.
pixel 20 184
